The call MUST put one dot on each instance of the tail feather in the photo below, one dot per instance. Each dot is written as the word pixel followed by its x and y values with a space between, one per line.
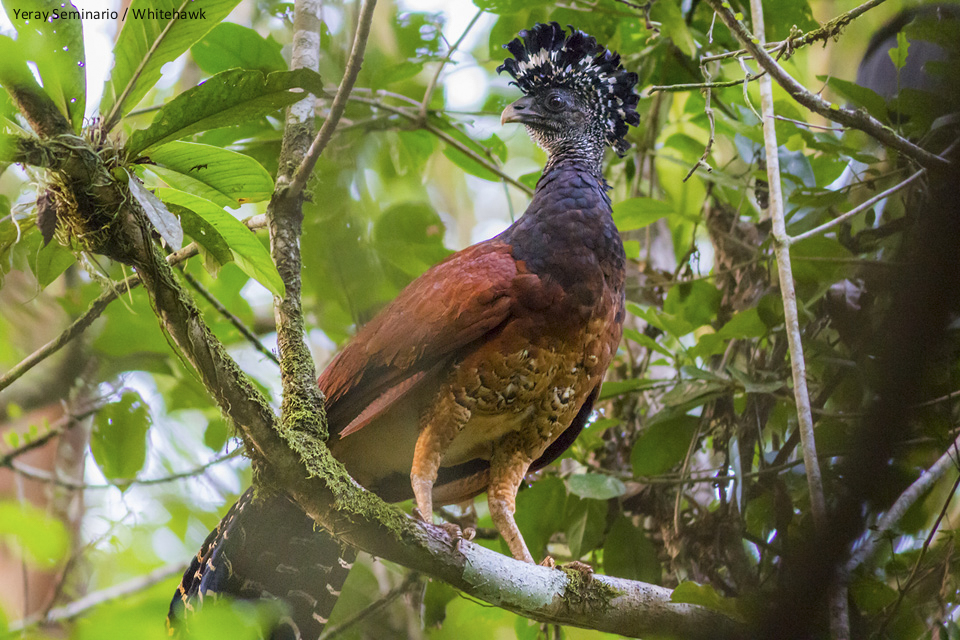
pixel 268 548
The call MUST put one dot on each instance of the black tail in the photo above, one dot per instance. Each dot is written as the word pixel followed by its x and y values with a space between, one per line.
pixel 268 548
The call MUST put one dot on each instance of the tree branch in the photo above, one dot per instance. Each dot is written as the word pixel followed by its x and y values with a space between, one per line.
pixel 95 599
pixel 428 94
pixel 858 209
pixel 781 243
pixel 443 135
pixel 98 306
pixel 244 330
pixel 857 119
pixel 350 74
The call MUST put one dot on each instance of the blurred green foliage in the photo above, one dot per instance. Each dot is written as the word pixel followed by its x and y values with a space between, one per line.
pixel 693 435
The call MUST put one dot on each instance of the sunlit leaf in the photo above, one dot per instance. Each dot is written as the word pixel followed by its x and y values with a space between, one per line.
pixel 233 46
pixel 250 254
pixel 56 46
pixel 119 438
pixel 222 176
pixel 224 100
pixel 156 33
pixel 166 224
pixel 595 486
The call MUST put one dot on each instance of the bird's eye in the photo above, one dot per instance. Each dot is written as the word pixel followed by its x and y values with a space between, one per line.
pixel 555 102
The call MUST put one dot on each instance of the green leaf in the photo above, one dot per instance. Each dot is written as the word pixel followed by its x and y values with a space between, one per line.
pixel 540 511
pixel 409 236
pixel 166 224
pixel 232 46
pixel 745 324
pixel 859 96
pixel 695 302
pixel 627 553
pixel 673 26
pixel 396 73
pixel 898 54
pixel 585 523
pixel 119 438
pixel 51 261
pixel 146 43
pixel 222 176
pixel 704 595
pixel 15 75
pixel 595 486
pixel 56 46
pixel 871 595
pixel 251 256
pixel 636 213
pixel 222 101
pixel 43 539
pixel 469 165
pixel 216 434
pixel 663 445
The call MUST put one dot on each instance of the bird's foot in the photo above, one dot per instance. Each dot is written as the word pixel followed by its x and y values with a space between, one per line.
pixel 458 534
pixel 548 562
pixel 419 515
pixel 453 530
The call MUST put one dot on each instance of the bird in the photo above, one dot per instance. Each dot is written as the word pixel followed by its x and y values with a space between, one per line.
pixel 483 369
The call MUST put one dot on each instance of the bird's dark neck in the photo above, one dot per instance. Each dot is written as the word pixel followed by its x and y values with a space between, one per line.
pixel 577 154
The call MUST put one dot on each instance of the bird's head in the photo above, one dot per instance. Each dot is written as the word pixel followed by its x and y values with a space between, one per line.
pixel 578 98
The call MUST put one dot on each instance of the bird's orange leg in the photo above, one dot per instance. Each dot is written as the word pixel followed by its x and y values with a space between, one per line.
pixel 507 469
pixel 440 425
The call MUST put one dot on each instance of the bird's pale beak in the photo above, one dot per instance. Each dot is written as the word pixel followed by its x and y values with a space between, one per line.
pixel 520 111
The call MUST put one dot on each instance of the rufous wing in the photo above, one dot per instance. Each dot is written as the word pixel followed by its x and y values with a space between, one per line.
pixel 452 305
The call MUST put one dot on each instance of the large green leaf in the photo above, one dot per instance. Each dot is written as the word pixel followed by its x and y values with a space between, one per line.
pixel 157 32
pixel 232 46
pixel 222 176
pixel 251 256
pixel 119 438
pixel 224 100
pixel 627 553
pixel 636 213
pixel 596 486
pixel 56 46
pixel 585 521
pixel 663 445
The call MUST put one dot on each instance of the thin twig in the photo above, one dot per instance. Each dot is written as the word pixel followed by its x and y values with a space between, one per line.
pixel 857 119
pixel 412 579
pixel 56 429
pixel 428 94
pixel 41 475
pixel 809 125
pixel 244 330
pixel 830 30
pixel 450 140
pixel 916 565
pixel 84 604
pixel 97 307
pixel 788 293
pixel 858 209
pixel 350 74
pixel 692 86
pixel 707 109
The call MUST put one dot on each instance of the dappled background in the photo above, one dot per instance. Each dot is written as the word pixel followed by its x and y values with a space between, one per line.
pixel 690 472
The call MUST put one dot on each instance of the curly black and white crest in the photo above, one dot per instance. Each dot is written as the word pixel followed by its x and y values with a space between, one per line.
pixel 545 56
